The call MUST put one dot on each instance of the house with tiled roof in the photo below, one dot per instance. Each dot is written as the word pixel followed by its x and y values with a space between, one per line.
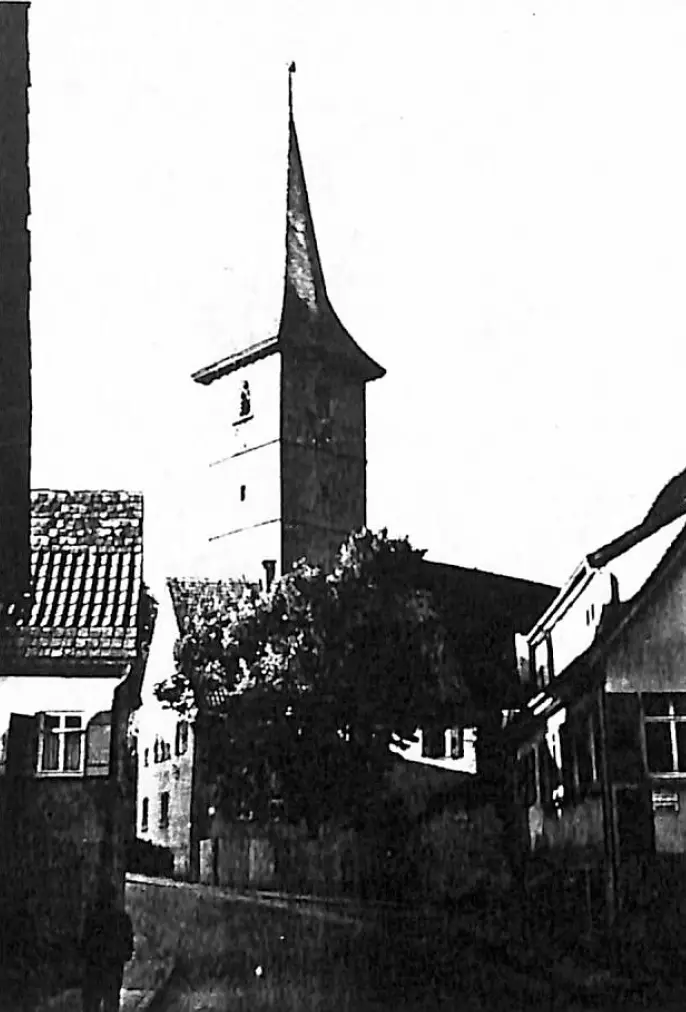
pixel 71 673
pixel 602 740
pixel 174 759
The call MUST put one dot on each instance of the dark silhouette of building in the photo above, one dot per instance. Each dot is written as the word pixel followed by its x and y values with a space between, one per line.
pixel 15 344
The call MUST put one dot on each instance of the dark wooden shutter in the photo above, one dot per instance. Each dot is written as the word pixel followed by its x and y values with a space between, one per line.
pixel 22 745
pixel 98 745
pixel 624 748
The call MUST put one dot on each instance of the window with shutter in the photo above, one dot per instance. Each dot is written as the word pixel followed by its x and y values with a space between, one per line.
pixel 60 744
pixel 98 740
pixel 22 745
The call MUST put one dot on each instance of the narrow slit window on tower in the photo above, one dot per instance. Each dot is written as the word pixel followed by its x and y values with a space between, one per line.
pixel 243 493
pixel 246 402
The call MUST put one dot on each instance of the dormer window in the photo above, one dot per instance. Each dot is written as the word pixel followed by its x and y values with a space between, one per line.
pixel 246 404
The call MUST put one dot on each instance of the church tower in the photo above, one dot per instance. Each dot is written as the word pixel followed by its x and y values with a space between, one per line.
pixel 292 479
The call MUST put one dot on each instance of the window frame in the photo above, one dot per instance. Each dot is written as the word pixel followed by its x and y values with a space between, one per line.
pixel 61 733
pixel 671 719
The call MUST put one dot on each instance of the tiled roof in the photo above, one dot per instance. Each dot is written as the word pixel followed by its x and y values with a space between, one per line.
pixel 86 569
pixel 190 595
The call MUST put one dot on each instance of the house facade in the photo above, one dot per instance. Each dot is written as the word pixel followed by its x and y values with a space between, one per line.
pixel 174 804
pixel 70 676
pixel 602 768
pixel 481 612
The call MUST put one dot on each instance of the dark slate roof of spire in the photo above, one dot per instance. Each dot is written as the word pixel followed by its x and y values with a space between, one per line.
pixel 86 570
pixel 309 324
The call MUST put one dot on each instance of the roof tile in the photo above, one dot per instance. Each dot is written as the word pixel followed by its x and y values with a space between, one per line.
pixel 81 541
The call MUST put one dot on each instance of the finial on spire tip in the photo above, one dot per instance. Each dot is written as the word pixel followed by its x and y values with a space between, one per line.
pixel 291 71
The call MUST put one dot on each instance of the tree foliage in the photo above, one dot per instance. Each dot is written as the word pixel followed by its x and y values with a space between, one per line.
pixel 316 679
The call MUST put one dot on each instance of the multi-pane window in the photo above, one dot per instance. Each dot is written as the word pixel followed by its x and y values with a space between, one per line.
pixel 164 810
pixel 665 731
pixel 60 744
pixel 145 806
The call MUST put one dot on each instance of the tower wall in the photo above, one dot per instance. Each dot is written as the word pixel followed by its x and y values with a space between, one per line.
pixel 323 465
pixel 244 509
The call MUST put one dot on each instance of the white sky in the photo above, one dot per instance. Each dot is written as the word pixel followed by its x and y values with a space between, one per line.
pixel 499 193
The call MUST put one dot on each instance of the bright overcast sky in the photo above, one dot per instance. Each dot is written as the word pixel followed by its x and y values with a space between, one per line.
pixel 499 192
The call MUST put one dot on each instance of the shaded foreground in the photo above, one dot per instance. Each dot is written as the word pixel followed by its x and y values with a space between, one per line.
pixel 246 955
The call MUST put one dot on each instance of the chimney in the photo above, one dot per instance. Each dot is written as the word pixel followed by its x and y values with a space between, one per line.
pixel 269 566
pixel 15 283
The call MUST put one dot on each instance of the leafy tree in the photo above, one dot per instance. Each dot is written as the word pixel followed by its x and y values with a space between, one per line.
pixel 317 679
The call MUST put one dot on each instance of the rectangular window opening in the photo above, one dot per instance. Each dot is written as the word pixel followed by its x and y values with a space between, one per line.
pixel 60 744
pixel 164 810
pixel 433 743
pixel 665 732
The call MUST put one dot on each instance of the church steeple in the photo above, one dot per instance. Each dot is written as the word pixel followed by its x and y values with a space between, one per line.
pixel 304 280
pixel 288 440
pixel 308 318
pixel 309 324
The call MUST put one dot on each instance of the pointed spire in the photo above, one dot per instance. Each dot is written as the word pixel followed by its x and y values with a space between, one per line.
pixel 308 320
pixel 304 277
pixel 307 316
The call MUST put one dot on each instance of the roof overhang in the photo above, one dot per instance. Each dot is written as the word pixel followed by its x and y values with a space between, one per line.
pixel 236 360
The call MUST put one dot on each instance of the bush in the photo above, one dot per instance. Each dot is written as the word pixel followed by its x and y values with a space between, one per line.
pixel 145 858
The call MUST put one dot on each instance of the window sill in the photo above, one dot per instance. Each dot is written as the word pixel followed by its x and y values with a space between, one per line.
pixel 243 419
pixel 66 774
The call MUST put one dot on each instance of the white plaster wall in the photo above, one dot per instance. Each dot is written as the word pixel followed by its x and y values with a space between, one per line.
pixel 574 632
pixel 28 695
pixel 467 764
pixel 222 407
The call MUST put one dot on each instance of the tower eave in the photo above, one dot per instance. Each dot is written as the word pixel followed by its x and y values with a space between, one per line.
pixel 236 360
